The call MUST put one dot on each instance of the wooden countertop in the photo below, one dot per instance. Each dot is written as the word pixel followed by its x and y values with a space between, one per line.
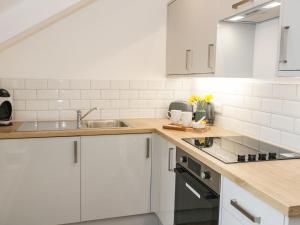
pixel 275 182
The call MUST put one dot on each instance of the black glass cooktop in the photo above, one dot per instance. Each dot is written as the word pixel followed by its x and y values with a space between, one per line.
pixel 238 149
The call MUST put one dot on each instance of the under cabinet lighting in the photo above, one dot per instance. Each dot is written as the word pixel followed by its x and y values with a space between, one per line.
pixel 271 5
pixel 236 18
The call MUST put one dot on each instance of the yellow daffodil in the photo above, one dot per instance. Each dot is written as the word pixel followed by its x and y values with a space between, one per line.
pixel 194 98
pixel 208 98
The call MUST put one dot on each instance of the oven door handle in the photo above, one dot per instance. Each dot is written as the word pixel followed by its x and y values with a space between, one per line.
pixel 189 187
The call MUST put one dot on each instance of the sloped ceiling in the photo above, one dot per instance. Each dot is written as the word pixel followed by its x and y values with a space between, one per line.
pixel 20 19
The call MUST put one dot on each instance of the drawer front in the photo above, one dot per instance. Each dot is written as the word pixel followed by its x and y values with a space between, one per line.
pixel 247 208
pixel 228 219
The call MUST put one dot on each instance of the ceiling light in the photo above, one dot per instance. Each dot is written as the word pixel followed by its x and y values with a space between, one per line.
pixel 236 18
pixel 271 5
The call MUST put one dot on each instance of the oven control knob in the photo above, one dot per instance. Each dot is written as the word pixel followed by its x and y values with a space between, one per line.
pixel 183 159
pixel 205 175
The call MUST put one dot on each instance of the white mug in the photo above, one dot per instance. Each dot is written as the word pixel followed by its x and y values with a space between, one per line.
pixel 175 116
pixel 186 118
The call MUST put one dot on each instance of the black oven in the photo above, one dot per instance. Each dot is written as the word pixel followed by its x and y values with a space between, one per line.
pixel 197 191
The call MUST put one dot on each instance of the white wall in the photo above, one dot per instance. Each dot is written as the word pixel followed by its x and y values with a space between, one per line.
pixel 110 39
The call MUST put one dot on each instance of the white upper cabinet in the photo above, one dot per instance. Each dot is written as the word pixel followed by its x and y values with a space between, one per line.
pixel 191 36
pixel 231 7
pixel 40 181
pixel 163 180
pixel 290 35
pixel 115 178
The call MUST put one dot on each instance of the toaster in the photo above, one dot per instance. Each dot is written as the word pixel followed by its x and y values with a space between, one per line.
pixel 180 105
pixel 5 108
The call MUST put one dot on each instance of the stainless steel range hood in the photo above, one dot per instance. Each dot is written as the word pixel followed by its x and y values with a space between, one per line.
pixel 258 14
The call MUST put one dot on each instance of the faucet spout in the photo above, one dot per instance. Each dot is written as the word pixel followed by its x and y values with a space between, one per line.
pixel 80 117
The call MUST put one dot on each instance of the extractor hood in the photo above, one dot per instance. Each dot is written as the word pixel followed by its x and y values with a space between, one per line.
pixel 257 14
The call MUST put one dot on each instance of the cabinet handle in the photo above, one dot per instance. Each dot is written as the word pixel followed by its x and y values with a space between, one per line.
pixel 283 44
pixel 210 46
pixel 236 205
pixel 148 148
pixel 170 163
pixel 238 4
pixel 75 152
pixel 187 57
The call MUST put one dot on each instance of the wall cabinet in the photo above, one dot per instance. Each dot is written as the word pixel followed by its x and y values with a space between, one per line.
pixel 116 171
pixel 191 36
pixel 40 181
pixel 290 36
pixel 163 180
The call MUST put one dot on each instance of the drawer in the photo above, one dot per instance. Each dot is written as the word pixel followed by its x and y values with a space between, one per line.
pixel 228 219
pixel 247 208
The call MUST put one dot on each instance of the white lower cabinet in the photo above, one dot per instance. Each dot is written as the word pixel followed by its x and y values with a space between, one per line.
pixel 40 181
pixel 163 180
pixel 115 175
pixel 240 207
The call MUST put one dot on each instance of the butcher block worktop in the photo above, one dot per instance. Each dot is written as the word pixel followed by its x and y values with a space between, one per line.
pixel 275 182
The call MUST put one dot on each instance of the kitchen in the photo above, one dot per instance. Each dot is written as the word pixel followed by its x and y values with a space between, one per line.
pixel 126 62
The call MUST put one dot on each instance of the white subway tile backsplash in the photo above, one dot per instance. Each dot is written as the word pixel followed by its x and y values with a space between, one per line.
pixel 129 94
pixel 297 126
pixel 165 94
pixel 270 135
pixel 146 113
pixel 291 108
pixel 244 115
pixel 181 95
pixel 252 103
pixel 19 105
pixel 261 118
pixel 139 84
pixel 47 94
pixel 58 84
pixel 59 104
pixel 291 140
pixel 272 105
pixel 110 94
pixel 90 94
pixel 148 94
pixel 110 114
pixel 251 129
pixel 119 84
pixel 95 115
pixel 285 91
pixel 37 105
pixel 102 104
pixel 47 115
pixel 24 94
pixel 262 90
pixel 119 104
pixel 174 84
pixel 157 84
pixel 80 104
pixel 67 115
pixel 282 123
pixel 25 115
pixel 35 84
pixel 80 84
pixel 100 84
pixel 69 94
pixel 12 83
pixel 129 113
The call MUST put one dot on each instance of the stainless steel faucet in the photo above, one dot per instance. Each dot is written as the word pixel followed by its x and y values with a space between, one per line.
pixel 80 118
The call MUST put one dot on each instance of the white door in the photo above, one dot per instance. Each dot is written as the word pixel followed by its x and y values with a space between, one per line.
pixel 40 181
pixel 115 177
pixel 163 180
pixel 290 36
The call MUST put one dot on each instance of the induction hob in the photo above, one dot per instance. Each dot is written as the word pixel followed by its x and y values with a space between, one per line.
pixel 239 149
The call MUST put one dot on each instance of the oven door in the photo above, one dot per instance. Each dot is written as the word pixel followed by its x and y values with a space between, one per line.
pixel 195 203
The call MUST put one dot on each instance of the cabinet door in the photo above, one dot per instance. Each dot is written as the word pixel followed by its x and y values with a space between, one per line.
pixel 228 219
pixel 191 36
pixel 290 36
pixel 163 180
pixel 40 181
pixel 115 176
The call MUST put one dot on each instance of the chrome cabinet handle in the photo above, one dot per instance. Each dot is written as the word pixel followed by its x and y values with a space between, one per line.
pixel 187 57
pixel 170 163
pixel 283 44
pixel 193 190
pixel 148 146
pixel 75 152
pixel 209 65
pixel 238 4
pixel 247 214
